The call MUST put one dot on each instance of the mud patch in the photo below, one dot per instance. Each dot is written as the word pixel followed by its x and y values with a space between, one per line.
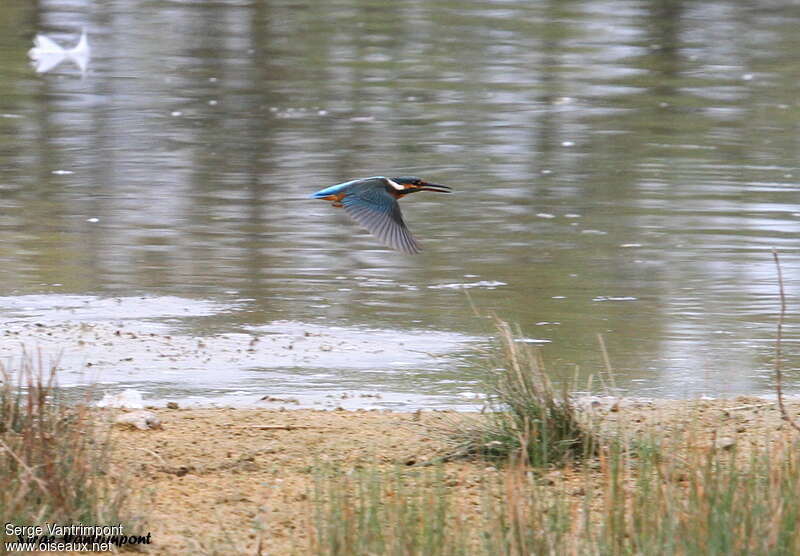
pixel 142 343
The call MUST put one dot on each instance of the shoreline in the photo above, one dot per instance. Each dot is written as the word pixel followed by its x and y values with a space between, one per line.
pixel 214 476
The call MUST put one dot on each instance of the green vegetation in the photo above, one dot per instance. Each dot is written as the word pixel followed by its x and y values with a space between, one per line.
pixel 526 417
pixel 616 496
pixel 375 512
pixel 53 460
pixel 683 500
pixel 657 499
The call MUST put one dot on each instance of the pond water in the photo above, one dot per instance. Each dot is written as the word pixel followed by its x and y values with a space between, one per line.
pixel 621 168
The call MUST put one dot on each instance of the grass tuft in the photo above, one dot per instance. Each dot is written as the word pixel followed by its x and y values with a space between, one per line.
pixel 53 462
pixel 664 498
pixel 657 499
pixel 527 418
pixel 382 512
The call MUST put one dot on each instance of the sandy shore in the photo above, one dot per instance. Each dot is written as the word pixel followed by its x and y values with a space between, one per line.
pixel 212 479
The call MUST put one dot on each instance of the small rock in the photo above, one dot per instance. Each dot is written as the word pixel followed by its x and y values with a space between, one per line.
pixel 142 420
pixel 172 405
pixel 725 443
pixel 248 466
pixel 269 398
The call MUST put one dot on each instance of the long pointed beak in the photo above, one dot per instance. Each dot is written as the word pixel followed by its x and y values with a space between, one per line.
pixel 436 187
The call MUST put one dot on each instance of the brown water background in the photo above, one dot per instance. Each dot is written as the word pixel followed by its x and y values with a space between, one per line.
pixel 622 168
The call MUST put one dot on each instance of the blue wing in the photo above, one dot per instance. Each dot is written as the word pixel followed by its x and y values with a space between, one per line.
pixel 340 187
pixel 372 206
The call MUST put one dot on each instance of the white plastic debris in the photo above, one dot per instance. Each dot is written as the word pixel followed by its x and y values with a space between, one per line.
pixel 130 399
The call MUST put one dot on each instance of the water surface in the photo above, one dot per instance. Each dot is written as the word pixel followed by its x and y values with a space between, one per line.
pixel 622 168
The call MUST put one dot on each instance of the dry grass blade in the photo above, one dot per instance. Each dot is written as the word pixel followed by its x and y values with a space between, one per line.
pixel 778 347
pixel 53 459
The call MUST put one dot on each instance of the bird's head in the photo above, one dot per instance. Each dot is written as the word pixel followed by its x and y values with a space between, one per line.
pixel 411 184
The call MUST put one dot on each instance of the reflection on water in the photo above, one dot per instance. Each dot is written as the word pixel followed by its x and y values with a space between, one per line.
pixel 620 168
pixel 46 54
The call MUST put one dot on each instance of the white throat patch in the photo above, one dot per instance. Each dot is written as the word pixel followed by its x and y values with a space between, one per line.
pixel 396 185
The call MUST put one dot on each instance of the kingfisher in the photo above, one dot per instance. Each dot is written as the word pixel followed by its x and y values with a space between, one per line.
pixel 372 202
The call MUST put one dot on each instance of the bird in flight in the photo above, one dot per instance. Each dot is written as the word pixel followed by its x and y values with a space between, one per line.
pixel 372 202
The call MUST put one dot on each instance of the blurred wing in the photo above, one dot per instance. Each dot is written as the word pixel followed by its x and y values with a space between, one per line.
pixel 377 211
pixel 44 46
pixel 45 54
pixel 45 62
